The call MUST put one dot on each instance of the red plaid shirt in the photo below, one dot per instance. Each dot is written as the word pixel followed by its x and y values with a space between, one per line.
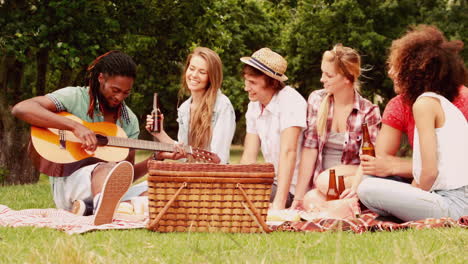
pixel 363 111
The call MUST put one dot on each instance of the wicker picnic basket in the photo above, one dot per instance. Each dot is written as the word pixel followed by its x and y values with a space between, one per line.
pixel 202 197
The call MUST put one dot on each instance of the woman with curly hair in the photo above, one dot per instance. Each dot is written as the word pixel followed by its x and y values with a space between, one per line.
pixel 206 119
pixel 429 74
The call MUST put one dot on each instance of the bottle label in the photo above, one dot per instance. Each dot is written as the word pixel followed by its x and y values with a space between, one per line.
pixel 156 122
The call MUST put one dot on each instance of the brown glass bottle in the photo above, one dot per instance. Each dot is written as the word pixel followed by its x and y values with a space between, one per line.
pixel 367 147
pixel 332 192
pixel 156 115
pixel 341 186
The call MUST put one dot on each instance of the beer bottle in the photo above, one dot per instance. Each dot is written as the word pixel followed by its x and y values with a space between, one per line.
pixel 156 115
pixel 341 186
pixel 367 146
pixel 332 192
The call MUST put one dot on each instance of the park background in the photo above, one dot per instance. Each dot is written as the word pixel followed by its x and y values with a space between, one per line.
pixel 47 44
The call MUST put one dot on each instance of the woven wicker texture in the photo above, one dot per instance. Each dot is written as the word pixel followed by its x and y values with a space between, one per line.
pixel 208 197
pixel 272 60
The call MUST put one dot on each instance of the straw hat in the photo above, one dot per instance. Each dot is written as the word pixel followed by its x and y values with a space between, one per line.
pixel 268 62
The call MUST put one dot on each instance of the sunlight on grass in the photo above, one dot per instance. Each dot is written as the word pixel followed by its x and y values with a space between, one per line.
pixel 40 245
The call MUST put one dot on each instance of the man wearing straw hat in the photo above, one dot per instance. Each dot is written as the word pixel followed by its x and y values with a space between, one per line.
pixel 275 119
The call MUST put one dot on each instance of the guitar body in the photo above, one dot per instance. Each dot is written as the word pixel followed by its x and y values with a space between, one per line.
pixel 58 152
pixel 46 142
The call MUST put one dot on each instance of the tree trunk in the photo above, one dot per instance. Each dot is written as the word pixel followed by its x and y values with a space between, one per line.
pixel 13 81
pixel 80 78
pixel 42 62
pixel 3 73
pixel 15 166
pixel 65 77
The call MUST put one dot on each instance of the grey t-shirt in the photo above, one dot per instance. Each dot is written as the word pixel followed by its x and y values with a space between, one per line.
pixel 333 150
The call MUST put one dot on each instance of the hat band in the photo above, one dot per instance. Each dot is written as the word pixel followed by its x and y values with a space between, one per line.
pixel 264 67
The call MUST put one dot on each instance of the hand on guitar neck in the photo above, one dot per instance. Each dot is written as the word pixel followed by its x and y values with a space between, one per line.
pixel 61 146
pixel 162 136
pixel 179 153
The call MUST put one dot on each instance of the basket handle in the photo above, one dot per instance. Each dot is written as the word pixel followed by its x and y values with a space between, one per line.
pixel 154 224
pixel 253 209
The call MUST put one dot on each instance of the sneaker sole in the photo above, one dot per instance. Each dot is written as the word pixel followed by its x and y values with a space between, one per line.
pixel 78 208
pixel 118 181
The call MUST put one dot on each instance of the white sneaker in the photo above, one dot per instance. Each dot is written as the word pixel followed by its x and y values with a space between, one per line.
pixel 82 208
pixel 117 182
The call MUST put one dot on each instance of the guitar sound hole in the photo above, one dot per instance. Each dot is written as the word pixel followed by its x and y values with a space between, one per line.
pixel 102 140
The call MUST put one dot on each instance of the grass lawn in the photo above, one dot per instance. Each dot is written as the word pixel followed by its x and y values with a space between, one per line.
pixel 42 245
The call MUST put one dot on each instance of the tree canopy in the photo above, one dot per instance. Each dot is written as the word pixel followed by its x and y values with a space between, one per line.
pixel 47 44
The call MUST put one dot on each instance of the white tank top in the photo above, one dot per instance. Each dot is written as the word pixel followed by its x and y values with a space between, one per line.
pixel 452 148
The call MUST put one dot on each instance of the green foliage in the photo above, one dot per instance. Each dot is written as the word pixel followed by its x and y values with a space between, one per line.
pixel 232 28
pixel 369 26
pixel 160 34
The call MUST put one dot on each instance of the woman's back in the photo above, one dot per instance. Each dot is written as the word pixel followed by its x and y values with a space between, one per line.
pixel 452 148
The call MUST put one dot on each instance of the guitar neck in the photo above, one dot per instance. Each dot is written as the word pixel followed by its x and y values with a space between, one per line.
pixel 143 144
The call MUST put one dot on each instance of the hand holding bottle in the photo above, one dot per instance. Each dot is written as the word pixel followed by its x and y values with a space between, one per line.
pixel 150 123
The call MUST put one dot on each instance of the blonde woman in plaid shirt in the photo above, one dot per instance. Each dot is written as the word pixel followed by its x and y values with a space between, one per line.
pixel 333 136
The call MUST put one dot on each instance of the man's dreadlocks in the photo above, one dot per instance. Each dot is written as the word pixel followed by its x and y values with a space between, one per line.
pixel 112 63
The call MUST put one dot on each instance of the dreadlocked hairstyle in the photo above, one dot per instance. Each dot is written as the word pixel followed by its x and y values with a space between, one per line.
pixel 200 131
pixel 112 63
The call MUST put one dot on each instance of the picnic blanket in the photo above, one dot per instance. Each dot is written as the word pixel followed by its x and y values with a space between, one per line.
pixel 65 221
pixel 73 224
pixel 367 221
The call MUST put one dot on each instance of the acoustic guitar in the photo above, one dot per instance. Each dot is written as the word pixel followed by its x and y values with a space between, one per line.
pixel 60 147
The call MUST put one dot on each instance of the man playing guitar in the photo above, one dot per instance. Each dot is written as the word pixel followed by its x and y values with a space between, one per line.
pixel 90 181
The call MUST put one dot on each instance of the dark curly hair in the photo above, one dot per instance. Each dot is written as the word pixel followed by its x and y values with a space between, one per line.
pixel 424 61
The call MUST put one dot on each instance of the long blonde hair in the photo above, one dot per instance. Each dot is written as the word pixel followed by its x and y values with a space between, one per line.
pixel 200 130
pixel 347 62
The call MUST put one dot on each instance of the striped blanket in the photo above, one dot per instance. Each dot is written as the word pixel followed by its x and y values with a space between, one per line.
pixel 63 220
pixel 73 224
pixel 367 221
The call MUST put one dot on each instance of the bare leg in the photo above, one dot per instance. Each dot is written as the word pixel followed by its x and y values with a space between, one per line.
pixel 348 171
pixel 117 185
pixel 109 183
pixel 345 208
pixel 99 176
pixel 341 209
pixel 314 199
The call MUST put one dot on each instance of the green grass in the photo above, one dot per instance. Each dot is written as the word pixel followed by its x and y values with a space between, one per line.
pixel 43 245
